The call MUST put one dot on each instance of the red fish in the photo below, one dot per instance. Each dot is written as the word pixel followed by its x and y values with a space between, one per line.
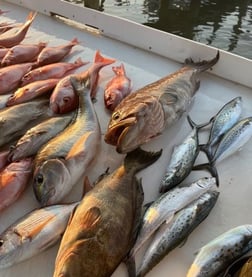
pixel 13 180
pixel 10 76
pixel 117 88
pixel 55 53
pixel 22 53
pixel 31 91
pixel 63 98
pixel 55 70
pixel 16 34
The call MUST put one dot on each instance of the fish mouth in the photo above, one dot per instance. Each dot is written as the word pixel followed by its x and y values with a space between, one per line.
pixel 118 131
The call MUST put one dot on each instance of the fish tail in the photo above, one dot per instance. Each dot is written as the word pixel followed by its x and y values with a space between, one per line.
pixel 131 266
pixel 139 159
pixel 195 125
pixel 79 84
pixel 31 16
pixel 207 149
pixel 203 65
pixel 75 41
pixel 80 62
pixel 100 59
pixel 210 167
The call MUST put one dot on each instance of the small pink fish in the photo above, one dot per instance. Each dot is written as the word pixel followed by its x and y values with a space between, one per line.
pixel 55 70
pixel 117 88
pixel 22 53
pixel 63 99
pixel 14 179
pixel 31 91
pixel 55 53
pixel 16 34
pixel 10 76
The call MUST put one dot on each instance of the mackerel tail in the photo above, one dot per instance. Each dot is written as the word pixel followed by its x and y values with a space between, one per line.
pixel 211 168
pixel 203 65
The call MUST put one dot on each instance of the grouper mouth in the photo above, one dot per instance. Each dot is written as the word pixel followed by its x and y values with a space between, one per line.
pixel 117 132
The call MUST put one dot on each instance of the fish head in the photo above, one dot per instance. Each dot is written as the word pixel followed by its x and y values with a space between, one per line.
pixel 112 97
pixel 30 77
pixel 133 123
pixel 49 181
pixel 63 99
pixel 9 58
pixel 10 250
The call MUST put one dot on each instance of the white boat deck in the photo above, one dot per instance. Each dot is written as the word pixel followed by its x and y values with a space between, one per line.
pixel 147 55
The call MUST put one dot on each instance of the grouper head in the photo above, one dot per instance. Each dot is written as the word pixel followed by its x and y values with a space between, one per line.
pixel 134 123
pixel 49 181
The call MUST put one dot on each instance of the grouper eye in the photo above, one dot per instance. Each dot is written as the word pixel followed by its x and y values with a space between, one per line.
pixel 116 116
pixel 1 242
pixel 40 179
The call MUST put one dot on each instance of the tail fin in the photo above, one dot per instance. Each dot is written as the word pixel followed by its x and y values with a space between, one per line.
pixel 139 159
pixel 100 59
pixel 75 41
pixel 80 62
pixel 210 167
pixel 79 84
pixel 203 65
pixel 195 125
pixel 30 17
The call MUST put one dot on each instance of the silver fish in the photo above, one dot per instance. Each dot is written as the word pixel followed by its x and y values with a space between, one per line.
pixel 145 113
pixel 219 253
pixel 234 139
pixel 182 159
pixel 33 233
pixel 10 124
pixel 224 120
pixel 58 170
pixel 169 236
pixel 30 143
pixel 164 208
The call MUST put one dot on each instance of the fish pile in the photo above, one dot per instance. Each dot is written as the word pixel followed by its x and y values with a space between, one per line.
pixel 51 136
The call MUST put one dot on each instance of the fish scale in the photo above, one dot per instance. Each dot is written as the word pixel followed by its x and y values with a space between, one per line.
pixel 169 236
pixel 217 254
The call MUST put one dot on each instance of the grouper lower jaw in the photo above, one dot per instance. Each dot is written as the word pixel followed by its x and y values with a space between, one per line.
pixel 118 131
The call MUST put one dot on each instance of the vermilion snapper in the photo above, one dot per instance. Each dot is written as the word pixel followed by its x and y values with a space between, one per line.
pixel 117 88
pixel 13 180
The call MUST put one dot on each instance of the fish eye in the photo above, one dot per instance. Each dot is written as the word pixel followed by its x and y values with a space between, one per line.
pixel 40 179
pixel 116 116
pixel 66 99
pixel 1 242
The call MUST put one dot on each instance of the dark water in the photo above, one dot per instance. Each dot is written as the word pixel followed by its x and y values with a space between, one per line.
pixel 226 24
